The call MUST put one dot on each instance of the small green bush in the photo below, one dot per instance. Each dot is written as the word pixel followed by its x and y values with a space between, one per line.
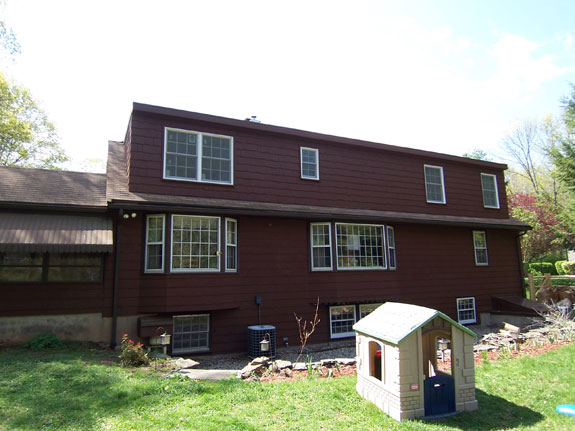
pixel 133 354
pixel 559 268
pixel 569 268
pixel 44 341
pixel 540 268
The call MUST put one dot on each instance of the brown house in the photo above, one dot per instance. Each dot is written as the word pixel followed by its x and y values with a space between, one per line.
pixel 220 224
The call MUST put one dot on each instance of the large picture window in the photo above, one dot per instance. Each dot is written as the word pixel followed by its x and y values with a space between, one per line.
pixel 321 246
pixel 341 320
pixel 434 186
pixel 490 194
pixel 195 156
pixel 191 333
pixel 51 268
pixel 195 243
pixel 155 243
pixel 480 246
pixel 360 246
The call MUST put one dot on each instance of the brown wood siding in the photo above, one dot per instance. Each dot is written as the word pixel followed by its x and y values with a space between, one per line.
pixel 28 299
pixel 267 169
pixel 435 266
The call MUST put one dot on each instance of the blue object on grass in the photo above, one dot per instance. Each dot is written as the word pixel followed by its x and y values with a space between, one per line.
pixel 566 409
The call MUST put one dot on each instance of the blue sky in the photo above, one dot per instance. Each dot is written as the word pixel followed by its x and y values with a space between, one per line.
pixel 446 76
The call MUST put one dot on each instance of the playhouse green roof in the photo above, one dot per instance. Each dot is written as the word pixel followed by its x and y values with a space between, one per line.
pixel 395 321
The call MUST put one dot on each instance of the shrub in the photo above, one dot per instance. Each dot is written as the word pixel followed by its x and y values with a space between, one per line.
pixel 540 268
pixel 569 268
pixel 133 354
pixel 559 268
pixel 44 341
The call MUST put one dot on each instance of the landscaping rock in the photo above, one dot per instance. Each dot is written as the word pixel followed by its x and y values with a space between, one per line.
pixel 345 361
pixel 281 364
pixel 250 370
pixel 328 363
pixel 300 366
pixel 260 360
pixel 186 363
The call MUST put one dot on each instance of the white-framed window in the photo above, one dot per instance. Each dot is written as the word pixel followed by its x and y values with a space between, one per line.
pixel 434 185
pixel 480 247
pixel 309 163
pixel 196 156
pixel 195 243
pixel 490 194
pixel 154 259
pixel 392 257
pixel 360 246
pixel 320 236
pixel 341 321
pixel 191 333
pixel 231 245
pixel 466 310
pixel 365 309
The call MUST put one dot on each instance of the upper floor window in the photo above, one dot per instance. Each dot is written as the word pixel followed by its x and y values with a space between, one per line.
pixel 309 163
pixel 195 156
pixel 434 186
pixel 320 246
pixel 480 246
pixel 195 243
pixel 391 248
pixel 155 243
pixel 489 187
pixel 360 246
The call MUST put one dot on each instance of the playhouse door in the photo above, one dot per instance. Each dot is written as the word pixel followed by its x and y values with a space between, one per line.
pixel 439 395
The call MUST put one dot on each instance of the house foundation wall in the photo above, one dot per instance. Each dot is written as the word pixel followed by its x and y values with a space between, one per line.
pixel 79 327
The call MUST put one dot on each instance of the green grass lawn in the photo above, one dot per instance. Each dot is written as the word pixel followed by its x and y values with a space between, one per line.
pixel 76 390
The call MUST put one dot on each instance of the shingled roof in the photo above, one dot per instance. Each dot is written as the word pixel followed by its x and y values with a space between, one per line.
pixel 45 188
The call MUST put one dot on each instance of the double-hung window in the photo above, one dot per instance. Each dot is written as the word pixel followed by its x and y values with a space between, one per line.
pixel 391 248
pixel 196 156
pixel 155 243
pixel 480 246
pixel 360 246
pixel 309 163
pixel 434 185
pixel 466 310
pixel 341 321
pixel 231 245
pixel 195 243
pixel 490 194
pixel 321 246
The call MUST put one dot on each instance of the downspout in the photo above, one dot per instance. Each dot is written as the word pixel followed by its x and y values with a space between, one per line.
pixel 520 260
pixel 113 341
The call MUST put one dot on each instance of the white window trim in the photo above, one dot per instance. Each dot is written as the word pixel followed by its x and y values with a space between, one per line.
pixel 475 248
pixel 316 152
pixel 193 349
pixel 343 334
pixel 235 245
pixel 497 206
pixel 467 321
pixel 155 270
pixel 443 201
pixel 389 248
pixel 199 157
pixel 363 268
pixel 377 304
pixel 219 253
pixel 313 268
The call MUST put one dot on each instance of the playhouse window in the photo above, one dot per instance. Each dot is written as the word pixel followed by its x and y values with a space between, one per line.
pixel 341 320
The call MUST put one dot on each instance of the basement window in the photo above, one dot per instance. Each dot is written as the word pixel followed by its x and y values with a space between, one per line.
pixel 466 310
pixel 191 333
pixel 341 321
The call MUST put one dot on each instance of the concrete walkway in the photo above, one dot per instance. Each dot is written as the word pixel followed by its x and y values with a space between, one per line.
pixel 208 374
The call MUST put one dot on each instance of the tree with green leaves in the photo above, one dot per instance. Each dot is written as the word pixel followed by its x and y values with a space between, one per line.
pixel 27 138
pixel 562 149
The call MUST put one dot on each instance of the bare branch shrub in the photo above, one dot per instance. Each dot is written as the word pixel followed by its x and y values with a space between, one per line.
pixel 304 332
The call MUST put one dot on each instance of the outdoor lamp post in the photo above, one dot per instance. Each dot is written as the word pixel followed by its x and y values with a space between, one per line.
pixel 265 343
